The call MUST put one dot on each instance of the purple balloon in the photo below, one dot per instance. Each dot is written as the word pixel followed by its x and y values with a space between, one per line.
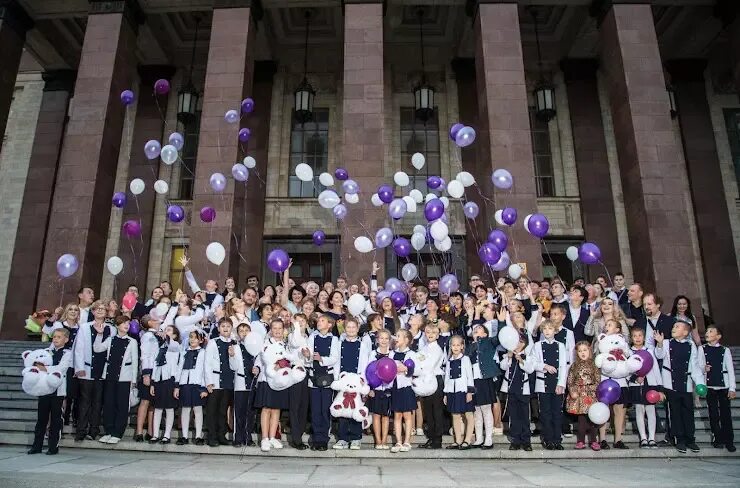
pixel 608 391
pixel 503 262
pixel 278 260
pixel 341 174
pixel 207 214
pixel 119 199
pixel 240 172
pixel 132 228
pixel 371 375
pixel 134 328
pixel 589 253
pixel 175 213
pixel 434 209
pixel 502 179
pixel 386 369
pixel 449 284
pixel 397 208
pixel 454 130
pixel 498 239
pixel 340 211
pixel 409 363
pixel 385 193
pixel 127 97
pixel 434 182
pixel 398 298
pixel 152 149
pixel 67 265
pixel 647 362
pixel 247 105
pixel 465 136
pixel 471 210
pixel 350 186
pixel 218 182
pixel 384 237
pixel 508 215
pixel 538 225
pixel 244 134
pixel 393 284
pixel 382 295
pixel 177 140
pixel 162 87
pixel 489 253
pixel 319 237
pixel 402 247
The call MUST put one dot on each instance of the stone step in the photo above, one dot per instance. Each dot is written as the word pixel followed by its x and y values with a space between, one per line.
pixel 8 414
pixel 15 395
pixel 10 371
pixel 13 385
pixel 27 404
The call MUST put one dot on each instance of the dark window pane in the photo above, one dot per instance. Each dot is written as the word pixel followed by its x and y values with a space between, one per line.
pixel 415 137
pixel 543 171
pixel 309 143
pixel 732 122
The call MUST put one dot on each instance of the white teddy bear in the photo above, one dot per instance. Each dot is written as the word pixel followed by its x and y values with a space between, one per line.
pixel 424 382
pixel 349 403
pixel 614 357
pixel 35 381
pixel 287 374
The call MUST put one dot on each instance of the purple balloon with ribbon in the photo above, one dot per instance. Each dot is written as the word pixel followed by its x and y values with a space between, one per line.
pixel 127 97
pixel 608 391
pixel 508 215
pixel 175 213
pixel 244 134
pixel 449 283
pixel 434 182
pixel 489 254
pixel 131 228
pixel 67 265
pixel 371 375
pixel 119 199
pixel 207 214
pixel 247 105
pixel 161 87
pixel 454 129
pixel 589 253
pixel 383 237
pixel 538 225
pixel 498 239
pixel 434 209
pixel 341 174
pixel 278 260
pixel 385 193
pixel 397 208
pixel 647 362
pixel 402 247
pixel 319 237
pixel 398 298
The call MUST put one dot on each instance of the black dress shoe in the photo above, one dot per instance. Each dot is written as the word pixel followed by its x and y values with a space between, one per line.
pixel 153 440
pixel 438 445
pixel 322 447
pixel 620 445
pixel 300 446
pixel 250 442
pixel 557 447
pixel 147 437
pixel 34 450
pixel 514 447
pixel 224 441
pixel 238 444
pixel 693 447
pixel 547 446
pixel 731 447
pixel 138 438
pixel 604 445
pixel 199 441
pixel 52 452
pixel 425 445
pixel 717 445
pixel 527 447
pixel 314 447
pixel 213 443
pixel 165 440
pixel 181 441
pixel 681 448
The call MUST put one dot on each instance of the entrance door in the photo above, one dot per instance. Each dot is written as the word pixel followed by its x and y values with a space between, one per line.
pixel 311 267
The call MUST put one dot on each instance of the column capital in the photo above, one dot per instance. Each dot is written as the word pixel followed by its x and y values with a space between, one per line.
pixel 464 68
pixel 59 80
pixel 150 73
pixel 130 9
pixel 686 69
pixel 599 8
pixel 15 16
pixel 256 5
pixel 578 69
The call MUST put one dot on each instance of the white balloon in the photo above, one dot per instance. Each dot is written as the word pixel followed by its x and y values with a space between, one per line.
pixel 168 154
pixel 465 178
pixel 326 179
pixel 515 271
pixel 162 309
pixel 328 199
pixel 410 204
pixel 526 222
pixel 416 195
pixel 363 244
pixel 418 160
pixel 420 229
pixel 115 265
pixel 598 413
pixel 356 304
pixel 304 172
pixel 409 271
pixel 445 201
pixel 401 179
pixel 498 217
pixel 418 240
pixel 216 253
pixel 444 245
pixel 439 230
pixel 430 196
pixel 250 162
pixel 572 253
pixel 508 337
pixel 375 199
pixel 351 197
pixel 455 189
pixel 136 186
pixel 161 187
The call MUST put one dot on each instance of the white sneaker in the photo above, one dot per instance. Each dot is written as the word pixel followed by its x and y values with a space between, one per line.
pixel 265 445
pixel 105 439
pixel 114 440
pixel 355 445
pixel 420 432
pixel 498 431
pixel 396 448
pixel 405 447
pixel 340 445
pixel 276 443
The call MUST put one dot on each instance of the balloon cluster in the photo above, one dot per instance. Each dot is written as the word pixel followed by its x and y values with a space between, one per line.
pixel 588 253
pixel 384 371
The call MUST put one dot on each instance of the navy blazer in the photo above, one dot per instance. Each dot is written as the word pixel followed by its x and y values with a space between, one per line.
pixel 486 348
pixel 578 327
pixel 664 324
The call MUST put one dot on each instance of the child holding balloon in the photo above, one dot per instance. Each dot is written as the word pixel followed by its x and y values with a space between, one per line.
pixel 518 365
pixel 642 389
pixel 583 378
pixel 403 399
pixel 380 394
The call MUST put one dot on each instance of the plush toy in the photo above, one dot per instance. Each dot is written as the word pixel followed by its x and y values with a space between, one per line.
pixel 614 357
pixel 287 374
pixel 424 382
pixel 35 381
pixel 349 403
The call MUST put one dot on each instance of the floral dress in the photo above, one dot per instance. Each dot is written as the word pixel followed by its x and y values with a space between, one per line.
pixel 583 379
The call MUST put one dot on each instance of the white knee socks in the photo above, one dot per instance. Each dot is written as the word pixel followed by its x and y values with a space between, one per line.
pixel 478 426
pixel 185 421
pixel 169 421
pixel 488 423
pixel 157 422
pixel 198 411
pixel 483 425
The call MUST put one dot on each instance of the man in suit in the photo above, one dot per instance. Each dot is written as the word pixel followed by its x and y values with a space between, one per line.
pixel 577 315
pixel 85 298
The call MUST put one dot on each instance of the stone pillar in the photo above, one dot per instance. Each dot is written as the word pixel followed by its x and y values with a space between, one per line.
pixel 363 117
pixel 707 191
pixel 148 124
pixel 592 163
pixel 229 75
pixel 14 23
pixel 654 179
pixel 504 133
pixel 33 220
pixel 87 165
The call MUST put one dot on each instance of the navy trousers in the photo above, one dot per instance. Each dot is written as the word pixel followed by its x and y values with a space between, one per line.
pixel 551 417
pixel 518 407
pixel 321 399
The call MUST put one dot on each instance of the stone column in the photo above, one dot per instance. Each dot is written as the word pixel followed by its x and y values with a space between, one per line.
pixel 229 75
pixel 504 133
pixel 148 124
pixel 654 178
pixel 707 191
pixel 14 23
pixel 592 163
pixel 33 220
pixel 87 166
pixel 363 117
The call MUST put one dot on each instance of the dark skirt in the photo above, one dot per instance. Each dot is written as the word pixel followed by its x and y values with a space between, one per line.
pixel 635 395
pixel 190 396
pixel 403 400
pixel 144 393
pixel 164 394
pixel 269 398
pixel 380 404
pixel 456 403
pixel 485 392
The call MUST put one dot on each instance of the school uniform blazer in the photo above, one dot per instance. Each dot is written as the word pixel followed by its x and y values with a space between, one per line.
pixel 365 350
pixel 82 349
pixel 432 355
pixel 130 363
pixel 487 366
pixel 171 366
pixel 664 325
pixel 580 323
pixel 330 362
pixel 527 367
pixel 695 374
pixel 562 367
pixel 64 364
pixel 570 346
pixel 149 350
pixel 728 368
pixel 465 382
pixel 653 378
pixel 253 344
pixel 213 363
pixel 195 376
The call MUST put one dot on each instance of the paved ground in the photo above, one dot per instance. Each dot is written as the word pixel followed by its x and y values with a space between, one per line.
pixel 76 468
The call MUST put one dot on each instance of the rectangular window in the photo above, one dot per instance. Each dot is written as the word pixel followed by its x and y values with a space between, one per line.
pixel 191 132
pixel 543 172
pixel 417 136
pixel 177 272
pixel 309 143
pixel 311 267
pixel 732 123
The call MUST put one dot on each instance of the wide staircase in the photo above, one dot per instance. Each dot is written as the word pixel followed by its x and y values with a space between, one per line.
pixel 18 416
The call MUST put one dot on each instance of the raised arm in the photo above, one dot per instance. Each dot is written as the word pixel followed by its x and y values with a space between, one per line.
pixel 184 261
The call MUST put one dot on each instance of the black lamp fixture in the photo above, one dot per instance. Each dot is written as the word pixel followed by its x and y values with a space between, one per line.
pixel 424 92
pixel 188 97
pixel 672 100
pixel 544 92
pixel 304 94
